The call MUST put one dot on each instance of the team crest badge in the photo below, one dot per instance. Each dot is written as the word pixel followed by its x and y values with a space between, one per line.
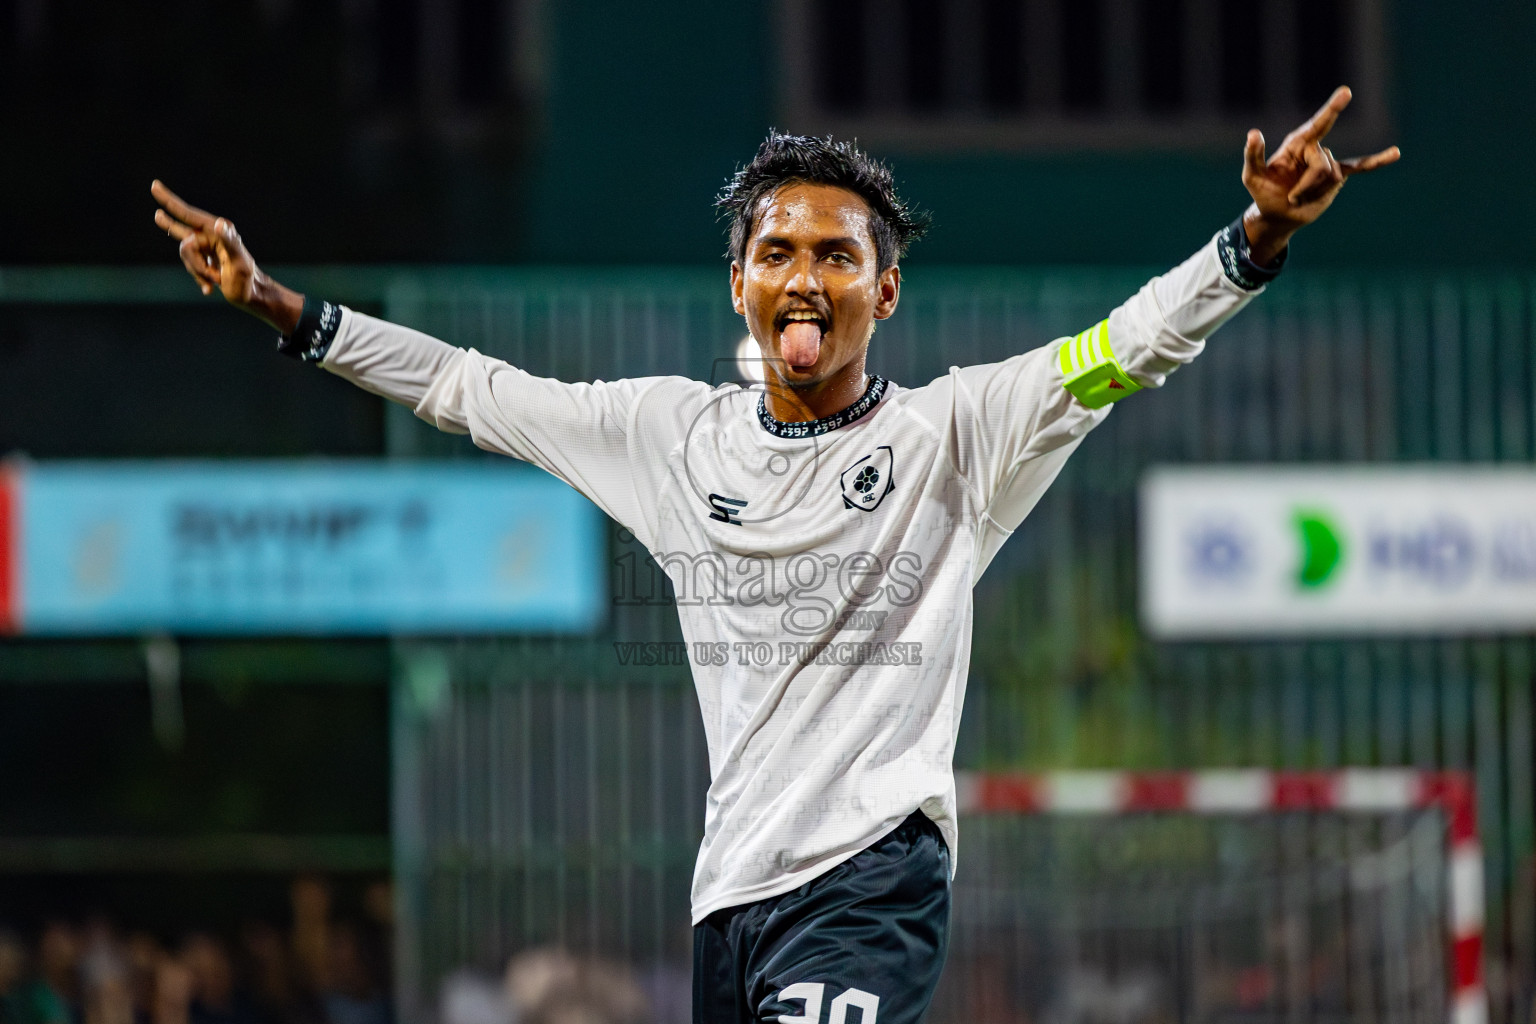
pixel 868 481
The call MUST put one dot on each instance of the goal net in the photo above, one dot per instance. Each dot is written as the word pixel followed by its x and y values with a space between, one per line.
pixel 1220 897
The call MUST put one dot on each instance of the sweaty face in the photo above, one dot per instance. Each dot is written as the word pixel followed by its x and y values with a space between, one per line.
pixel 810 285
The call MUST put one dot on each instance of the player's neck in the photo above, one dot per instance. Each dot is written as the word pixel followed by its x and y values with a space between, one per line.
pixel 820 400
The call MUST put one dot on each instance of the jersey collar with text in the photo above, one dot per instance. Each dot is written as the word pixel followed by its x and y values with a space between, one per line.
pixel 815 428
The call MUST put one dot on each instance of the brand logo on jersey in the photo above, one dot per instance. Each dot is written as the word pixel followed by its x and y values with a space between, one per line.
pixel 868 481
pixel 726 510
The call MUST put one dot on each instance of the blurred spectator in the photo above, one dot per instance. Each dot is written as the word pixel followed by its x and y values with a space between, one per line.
pixel 58 963
pixel 547 986
pixel 535 976
pixel 1090 995
pixel 143 955
pixel 310 898
pixel 571 1008
pixel 215 999
pixel 106 989
pixel 345 965
pixel 322 972
pixel 25 999
pixel 668 989
pixel 276 993
pixel 551 986
pixel 468 997
pixel 173 992
pixel 379 905
pixel 354 991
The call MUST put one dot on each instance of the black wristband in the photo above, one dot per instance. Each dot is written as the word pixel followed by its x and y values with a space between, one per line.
pixel 317 328
pixel 1237 259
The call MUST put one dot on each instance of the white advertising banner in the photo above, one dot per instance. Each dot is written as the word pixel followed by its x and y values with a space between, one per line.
pixel 1272 551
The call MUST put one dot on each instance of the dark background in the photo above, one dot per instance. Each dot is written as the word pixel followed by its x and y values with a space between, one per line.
pixel 592 131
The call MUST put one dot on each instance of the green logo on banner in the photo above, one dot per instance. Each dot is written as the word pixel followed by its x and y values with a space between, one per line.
pixel 1321 549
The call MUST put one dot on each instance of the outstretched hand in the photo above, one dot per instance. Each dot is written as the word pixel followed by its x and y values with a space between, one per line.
pixel 1293 187
pixel 214 255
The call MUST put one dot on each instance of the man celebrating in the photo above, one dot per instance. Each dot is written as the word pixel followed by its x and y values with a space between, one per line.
pixel 822 533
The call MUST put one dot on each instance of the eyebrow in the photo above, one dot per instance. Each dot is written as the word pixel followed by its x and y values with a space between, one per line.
pixel 845 242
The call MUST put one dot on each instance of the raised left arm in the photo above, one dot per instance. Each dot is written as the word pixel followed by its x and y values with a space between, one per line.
pixel 1027 414
pixel 1166 323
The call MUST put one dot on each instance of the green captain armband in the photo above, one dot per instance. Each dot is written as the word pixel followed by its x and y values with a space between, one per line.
pixel 1090 371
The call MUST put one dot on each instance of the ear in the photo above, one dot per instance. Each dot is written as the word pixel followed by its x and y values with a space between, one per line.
pixel 738 303
pixel 889 292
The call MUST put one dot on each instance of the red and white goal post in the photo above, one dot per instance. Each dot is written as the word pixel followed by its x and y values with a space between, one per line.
pixel 1247 791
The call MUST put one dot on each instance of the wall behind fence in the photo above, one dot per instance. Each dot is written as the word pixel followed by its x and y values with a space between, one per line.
pixel 548 793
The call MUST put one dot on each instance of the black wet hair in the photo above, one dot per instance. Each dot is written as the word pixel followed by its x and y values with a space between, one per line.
pixel 801 159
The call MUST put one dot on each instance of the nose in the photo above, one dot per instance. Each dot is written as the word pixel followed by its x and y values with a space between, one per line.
pixel 805 280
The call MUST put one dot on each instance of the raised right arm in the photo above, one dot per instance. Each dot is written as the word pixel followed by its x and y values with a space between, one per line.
pixel 607 440
pixel 213 254
pixel 387 359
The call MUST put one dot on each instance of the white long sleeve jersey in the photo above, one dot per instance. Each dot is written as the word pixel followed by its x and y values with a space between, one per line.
pixel 823 572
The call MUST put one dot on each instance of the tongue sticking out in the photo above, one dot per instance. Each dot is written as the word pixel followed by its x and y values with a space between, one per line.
pixel 800 343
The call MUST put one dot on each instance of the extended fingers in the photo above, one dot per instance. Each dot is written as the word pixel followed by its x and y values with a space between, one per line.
pixel 1253 155
pixel 171 226
pixel 1322 122
pixel 1361 164
pixel 179 208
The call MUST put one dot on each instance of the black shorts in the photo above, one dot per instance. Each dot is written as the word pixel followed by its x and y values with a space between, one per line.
pixel 867 937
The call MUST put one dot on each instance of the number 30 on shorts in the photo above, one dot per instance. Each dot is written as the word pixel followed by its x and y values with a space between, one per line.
pixel 867 1003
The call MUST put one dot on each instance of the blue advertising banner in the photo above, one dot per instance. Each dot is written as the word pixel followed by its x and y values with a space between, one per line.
pixel 300 547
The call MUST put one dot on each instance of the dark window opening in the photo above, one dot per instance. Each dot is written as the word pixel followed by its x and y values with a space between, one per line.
pixel 925 54
pixel 399 52
pixel 1242 63
pixel 1162 55
pixel 840 59
pixel 1082 55
pixel 1321 27
pixel 1003 55
pixel 1096 73
pixel 8 14
pixel 480 37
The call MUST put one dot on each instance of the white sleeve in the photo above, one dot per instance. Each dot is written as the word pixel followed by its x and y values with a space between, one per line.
pixel 608 440
pixel 1014 423
pixel 1165 324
